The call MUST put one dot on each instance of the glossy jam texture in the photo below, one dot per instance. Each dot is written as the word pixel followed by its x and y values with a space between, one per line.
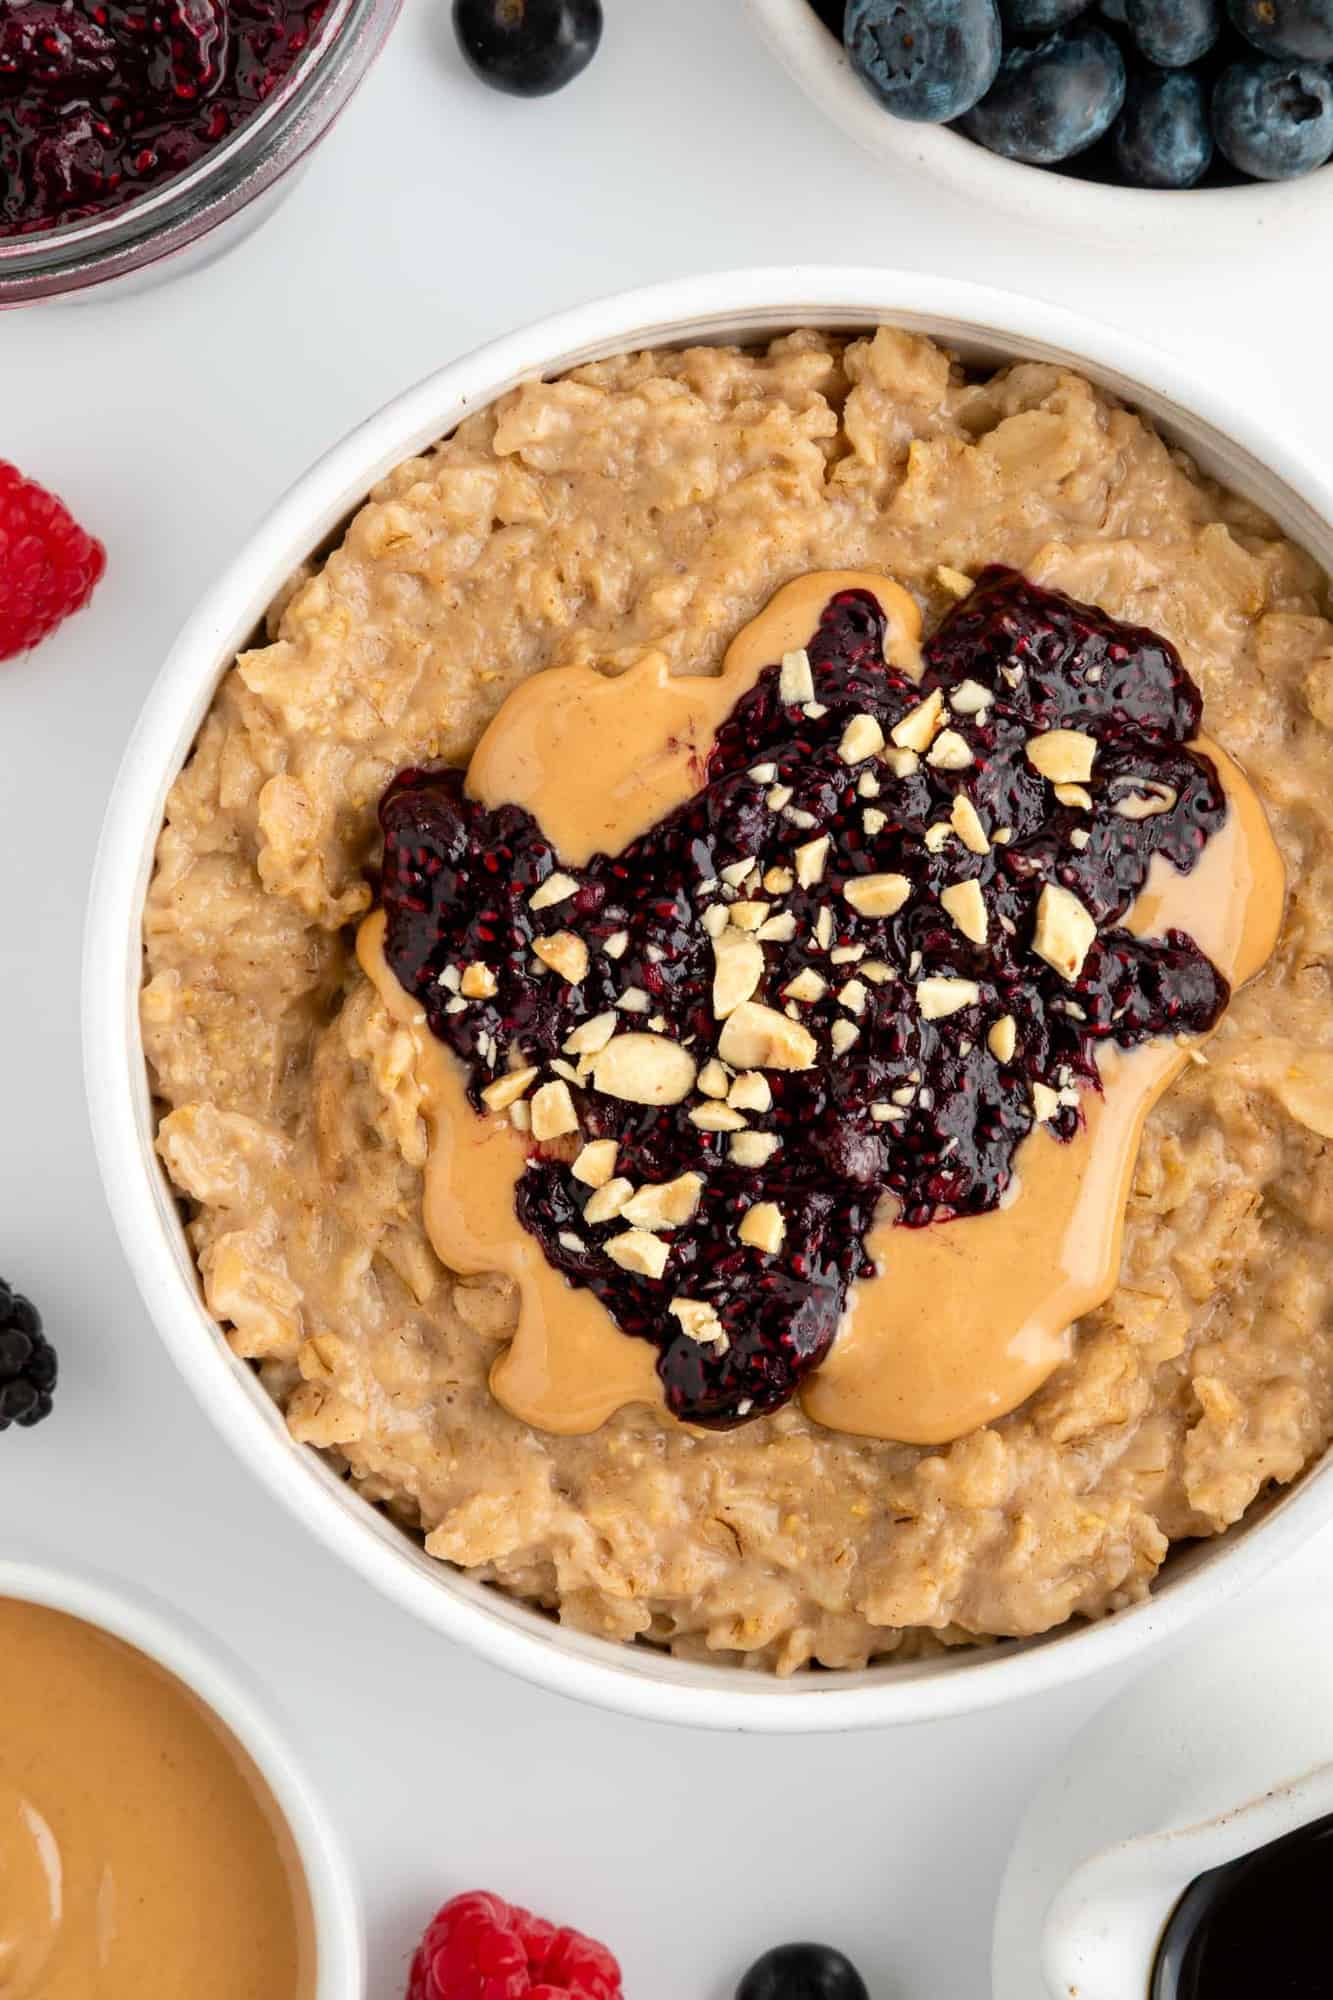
pixel 101 102
pixel 916 1108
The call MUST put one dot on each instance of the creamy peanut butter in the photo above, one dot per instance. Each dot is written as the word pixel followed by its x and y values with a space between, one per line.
pixel 141 1856
pixel 569 1367
pixel 597 760
pixel 964 1320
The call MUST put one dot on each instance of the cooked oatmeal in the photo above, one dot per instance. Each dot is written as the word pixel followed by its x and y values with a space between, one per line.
pixel 652 505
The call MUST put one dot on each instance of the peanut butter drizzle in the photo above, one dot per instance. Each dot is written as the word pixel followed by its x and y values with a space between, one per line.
pixel 569 1367
pixel 966 1319
pixel 141 1856
pixel 598 759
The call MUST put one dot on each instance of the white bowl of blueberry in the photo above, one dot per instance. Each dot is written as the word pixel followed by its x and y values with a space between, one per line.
pixel 1226 103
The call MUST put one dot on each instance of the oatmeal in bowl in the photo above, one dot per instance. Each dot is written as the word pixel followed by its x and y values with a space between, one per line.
pixel 735 997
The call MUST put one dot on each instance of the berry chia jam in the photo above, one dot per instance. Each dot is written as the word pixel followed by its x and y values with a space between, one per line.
pixel 100 103
pixel 941 926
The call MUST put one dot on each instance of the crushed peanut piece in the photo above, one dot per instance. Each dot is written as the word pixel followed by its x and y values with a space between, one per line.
pixel 1045 1102
pixel 758 1037
pixel 596 1163
pixel 966 823
pixel 644 1069
pixel 763 1227
pixel 666 1204
pixel 877 895
pixel 1064 931
pixel 949 752
pixel 638 1250
pixel 565 954
pixel 556 888
pixel 971 698
pixel 553 1112
pixel 753 1149
pixel 807 985
pixel 608 1201
pixel 862 738
pixel 715 1117
pixel 1002 1038
pixel 940 996
pixel 964 902
pixel 699 1322
pixel 1065 756
pixel 810 859
pixel 713 1079
pixel 796 683
pixel 750 1092
pixel 507 1090
pixel 738 968
pixel 591 1035
pixel 918 728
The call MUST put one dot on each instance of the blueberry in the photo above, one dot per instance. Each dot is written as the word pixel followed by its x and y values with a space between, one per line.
pixel 1039 17
pixel 802 1972
pixel 528 47
pixel 1301 28
pixel 1274 120
pixel 1113 10
pixel 925 59
pixel 1052 101
pixel 1162 137
pixel 1174 33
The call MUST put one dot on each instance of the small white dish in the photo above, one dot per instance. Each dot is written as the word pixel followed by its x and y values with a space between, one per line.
pixel 200 1664
pixel 1199 221
pixel 1226 1745
pixel 984 327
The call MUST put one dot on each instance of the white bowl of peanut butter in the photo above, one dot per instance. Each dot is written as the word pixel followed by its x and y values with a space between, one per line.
pixel 980 326
pixel 156 1837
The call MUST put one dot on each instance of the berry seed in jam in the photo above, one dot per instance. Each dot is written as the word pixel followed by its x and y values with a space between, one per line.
pixel 102 101
pixel 884 938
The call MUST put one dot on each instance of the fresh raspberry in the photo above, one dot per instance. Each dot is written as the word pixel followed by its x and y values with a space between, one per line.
pixel 48 565
pixel 478 1948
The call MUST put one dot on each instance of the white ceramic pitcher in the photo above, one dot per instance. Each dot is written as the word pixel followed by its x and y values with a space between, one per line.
pixel 1224 1746
pixel 1102 1932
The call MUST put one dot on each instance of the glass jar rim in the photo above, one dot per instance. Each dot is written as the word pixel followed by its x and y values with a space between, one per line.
pixel 55 262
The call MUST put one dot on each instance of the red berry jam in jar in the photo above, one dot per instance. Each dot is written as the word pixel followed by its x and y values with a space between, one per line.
pixel 101 102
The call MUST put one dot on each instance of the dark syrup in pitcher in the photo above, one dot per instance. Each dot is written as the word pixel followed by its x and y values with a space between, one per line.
pixel 1261 1928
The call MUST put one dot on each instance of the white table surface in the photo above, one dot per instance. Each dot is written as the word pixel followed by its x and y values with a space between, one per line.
pixel 436 215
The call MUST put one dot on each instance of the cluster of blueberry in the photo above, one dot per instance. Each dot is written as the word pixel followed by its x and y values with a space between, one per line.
pixel 1156 93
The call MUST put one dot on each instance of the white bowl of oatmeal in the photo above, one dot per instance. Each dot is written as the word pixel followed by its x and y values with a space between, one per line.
pixel 1196 1402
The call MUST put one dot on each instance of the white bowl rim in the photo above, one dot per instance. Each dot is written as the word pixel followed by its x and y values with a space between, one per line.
pixel 634 1680
pixel 817 64
pixel 201 1663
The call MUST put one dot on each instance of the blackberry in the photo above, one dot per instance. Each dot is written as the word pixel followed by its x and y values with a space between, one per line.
pixel 27 1362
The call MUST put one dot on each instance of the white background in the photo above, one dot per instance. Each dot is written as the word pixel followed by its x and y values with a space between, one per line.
pixel 436 215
